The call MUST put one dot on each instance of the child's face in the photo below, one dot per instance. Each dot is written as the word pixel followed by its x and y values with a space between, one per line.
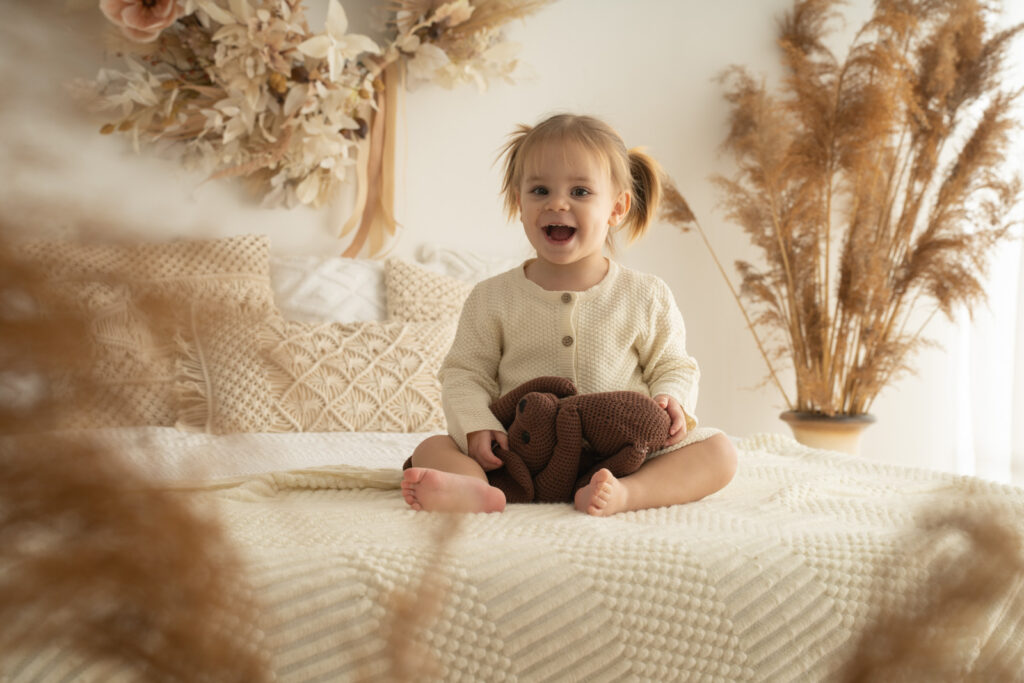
pixel 567 203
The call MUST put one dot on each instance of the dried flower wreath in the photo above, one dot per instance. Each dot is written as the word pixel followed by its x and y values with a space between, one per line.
pixel 243 88
pixel 876 188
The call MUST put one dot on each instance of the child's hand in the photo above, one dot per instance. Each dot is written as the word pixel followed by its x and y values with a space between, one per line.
pixel 480 448
pixel 677 430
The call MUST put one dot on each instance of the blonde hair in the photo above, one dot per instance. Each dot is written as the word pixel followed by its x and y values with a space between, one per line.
pixel 631 169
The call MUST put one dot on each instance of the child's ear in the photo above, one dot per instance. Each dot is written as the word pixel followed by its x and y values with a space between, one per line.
pixel 620 208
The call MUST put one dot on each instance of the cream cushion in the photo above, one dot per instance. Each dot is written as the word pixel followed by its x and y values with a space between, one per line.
pixel 277 375
pixel 360 377
pixel 135 296
pixel 416 294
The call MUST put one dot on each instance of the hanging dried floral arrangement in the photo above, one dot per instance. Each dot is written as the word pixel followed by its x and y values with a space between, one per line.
pixel 244 89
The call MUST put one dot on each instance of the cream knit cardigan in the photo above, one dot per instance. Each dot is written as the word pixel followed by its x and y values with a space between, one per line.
pixel 624 333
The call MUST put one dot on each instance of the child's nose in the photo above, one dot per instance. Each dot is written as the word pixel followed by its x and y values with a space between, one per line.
pixel 557 202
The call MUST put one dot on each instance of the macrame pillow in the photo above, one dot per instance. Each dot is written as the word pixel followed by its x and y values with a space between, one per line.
pixel 300 377
pixel 135 296
pixel 221 385
pixel 362 377
pixel 416 294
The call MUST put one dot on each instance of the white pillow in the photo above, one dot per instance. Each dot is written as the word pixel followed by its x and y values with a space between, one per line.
pixel 314 289
pixel 464 265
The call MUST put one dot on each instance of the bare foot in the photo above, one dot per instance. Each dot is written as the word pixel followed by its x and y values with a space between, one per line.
pixel 603 496
pixel 428 489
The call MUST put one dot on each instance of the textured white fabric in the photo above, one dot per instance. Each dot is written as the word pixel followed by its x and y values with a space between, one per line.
pixel 771 579
pixel 625 333
pixel 314 289
pixel 337 289
pixel 462 264
pixel 172 455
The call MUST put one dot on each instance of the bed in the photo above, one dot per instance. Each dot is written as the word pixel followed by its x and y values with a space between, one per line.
pixel 777 577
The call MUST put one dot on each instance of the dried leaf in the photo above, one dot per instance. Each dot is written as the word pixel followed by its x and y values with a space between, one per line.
pixel 316 47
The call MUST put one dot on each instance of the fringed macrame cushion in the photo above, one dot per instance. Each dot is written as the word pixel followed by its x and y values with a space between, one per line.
pixel 297 377
pixel 416 294
pixel 136 296
pixel 222 385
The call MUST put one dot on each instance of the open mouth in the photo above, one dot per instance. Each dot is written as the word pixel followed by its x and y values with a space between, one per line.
pixel 559 233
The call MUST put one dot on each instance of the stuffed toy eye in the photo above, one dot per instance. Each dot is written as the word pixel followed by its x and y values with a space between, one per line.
pixel 525 436
pixel 522 405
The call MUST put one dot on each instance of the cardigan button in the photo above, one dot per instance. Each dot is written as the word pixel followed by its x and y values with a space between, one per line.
pixel 566 297
pixel 566 340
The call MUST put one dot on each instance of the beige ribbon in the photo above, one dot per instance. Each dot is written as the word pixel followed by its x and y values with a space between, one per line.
pixel 375 198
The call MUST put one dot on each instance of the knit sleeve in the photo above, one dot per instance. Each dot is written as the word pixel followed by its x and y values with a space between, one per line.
pixel 667 367
pixel 469 373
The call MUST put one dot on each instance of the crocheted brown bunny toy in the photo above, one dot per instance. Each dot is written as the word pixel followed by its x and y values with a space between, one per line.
pixel 558 438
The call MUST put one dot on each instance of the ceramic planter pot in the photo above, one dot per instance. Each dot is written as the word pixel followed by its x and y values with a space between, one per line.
pixel 837 433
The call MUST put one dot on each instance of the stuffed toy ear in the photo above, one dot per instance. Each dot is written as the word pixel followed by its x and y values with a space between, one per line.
pixel 514 478
pixel 505 407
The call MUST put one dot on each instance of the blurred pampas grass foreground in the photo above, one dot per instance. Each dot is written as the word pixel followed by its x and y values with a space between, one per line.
pixel 93 557
pixel 974 558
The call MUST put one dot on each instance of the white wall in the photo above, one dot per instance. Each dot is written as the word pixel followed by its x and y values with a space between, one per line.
pixel 646 66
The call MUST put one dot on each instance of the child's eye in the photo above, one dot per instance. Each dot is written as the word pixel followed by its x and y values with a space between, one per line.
pixel 539 190
pixel 580 192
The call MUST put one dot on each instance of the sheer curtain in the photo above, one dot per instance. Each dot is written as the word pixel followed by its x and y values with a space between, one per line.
pixel 989 355
pixel 989 361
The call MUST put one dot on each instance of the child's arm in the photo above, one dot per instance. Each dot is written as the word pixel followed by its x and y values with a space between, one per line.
pixel 469 373
pixel 667 368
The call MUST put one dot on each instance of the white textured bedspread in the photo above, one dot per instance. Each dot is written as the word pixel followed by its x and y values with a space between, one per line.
pixel 771 579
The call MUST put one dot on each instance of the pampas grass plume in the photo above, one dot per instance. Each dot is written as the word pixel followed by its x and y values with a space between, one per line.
pixel 876 188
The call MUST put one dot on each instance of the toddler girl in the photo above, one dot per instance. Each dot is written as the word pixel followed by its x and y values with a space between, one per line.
pixel 570 312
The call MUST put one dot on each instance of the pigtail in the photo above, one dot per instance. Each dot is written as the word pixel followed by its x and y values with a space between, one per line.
pixel 645 174
pixel 511 152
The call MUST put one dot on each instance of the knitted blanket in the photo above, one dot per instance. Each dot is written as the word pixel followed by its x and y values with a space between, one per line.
pixel 774 578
